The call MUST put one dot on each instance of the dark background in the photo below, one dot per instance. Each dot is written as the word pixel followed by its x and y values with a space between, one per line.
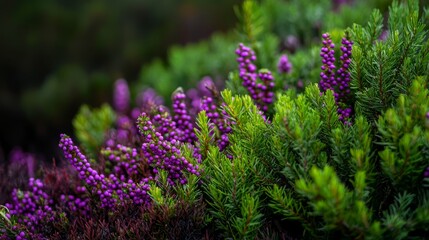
pixel 58 54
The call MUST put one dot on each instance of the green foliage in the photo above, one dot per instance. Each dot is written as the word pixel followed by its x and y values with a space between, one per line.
pixel 329 178
pixel 404 137
pixel 339 207
pixel 298 18
pixel 299 127
pixel 234 198
pixel 204 134
pixel 252 21
pixel 383 69
pixel 91 126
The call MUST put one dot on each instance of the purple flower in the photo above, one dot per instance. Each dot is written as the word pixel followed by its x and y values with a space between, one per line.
pixel 220 120
pixel 183 120
pixel 165 154
pixel 206 86
pixel 284 66
pixel 31 206
pixel 327 76
pixel 148 99
pixel 338 82
pixel 121 96
pixel 261 93
pixel 110 189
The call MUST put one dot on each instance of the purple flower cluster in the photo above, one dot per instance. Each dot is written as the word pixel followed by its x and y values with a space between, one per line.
pixel 164 154
pixel 283 65
pixel 261 93
pixel 146 100
pixel 266 93
pixel 31 206
pixel 77 204
pixel 126 130
pixel 128 189
pixel 126 160
pixel 183 120
pixel 205 88
pixel 343 74
pixel 327 76
pixel 220 120
pixel 121 96
pixel 338 82
pixel 110 188
pixel 164 124
pixel 97 182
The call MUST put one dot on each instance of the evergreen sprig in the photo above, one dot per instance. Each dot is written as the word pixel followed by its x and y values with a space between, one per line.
pixel 91 127
pixel 382 69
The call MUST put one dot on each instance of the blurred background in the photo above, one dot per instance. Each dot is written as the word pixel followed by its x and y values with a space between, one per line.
pixel 58 54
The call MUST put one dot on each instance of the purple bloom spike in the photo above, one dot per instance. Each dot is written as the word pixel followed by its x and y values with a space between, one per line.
pixel 164 154
pixel 261 93
pixel 110 189
pixel 284 66
pixel 121 96
pixel 148 99
pixel 219 118
pixel 327 76
pixel 182 118
pixel 339 83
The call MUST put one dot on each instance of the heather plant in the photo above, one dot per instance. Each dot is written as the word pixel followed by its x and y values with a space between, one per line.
pixel 254 161
pixel 90 127
pixel 364 179
pixel 152 166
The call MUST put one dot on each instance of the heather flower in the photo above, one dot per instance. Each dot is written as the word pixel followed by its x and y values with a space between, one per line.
pixel 261 93
pixel 205 88
pixel 291 43
pixel 164 124
pixel 31 206
pixel 327 76
pixel 164 154
pixel 266 93
pixel 121 96
pixel 148 99
pixel 343 73
pixel 183 120
pixel 90 176
pixel 76 205
pixel 110 188
pixel 283 65
pixel 125 129
pixel 126 160
pixel 338 82
pixel 220 120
